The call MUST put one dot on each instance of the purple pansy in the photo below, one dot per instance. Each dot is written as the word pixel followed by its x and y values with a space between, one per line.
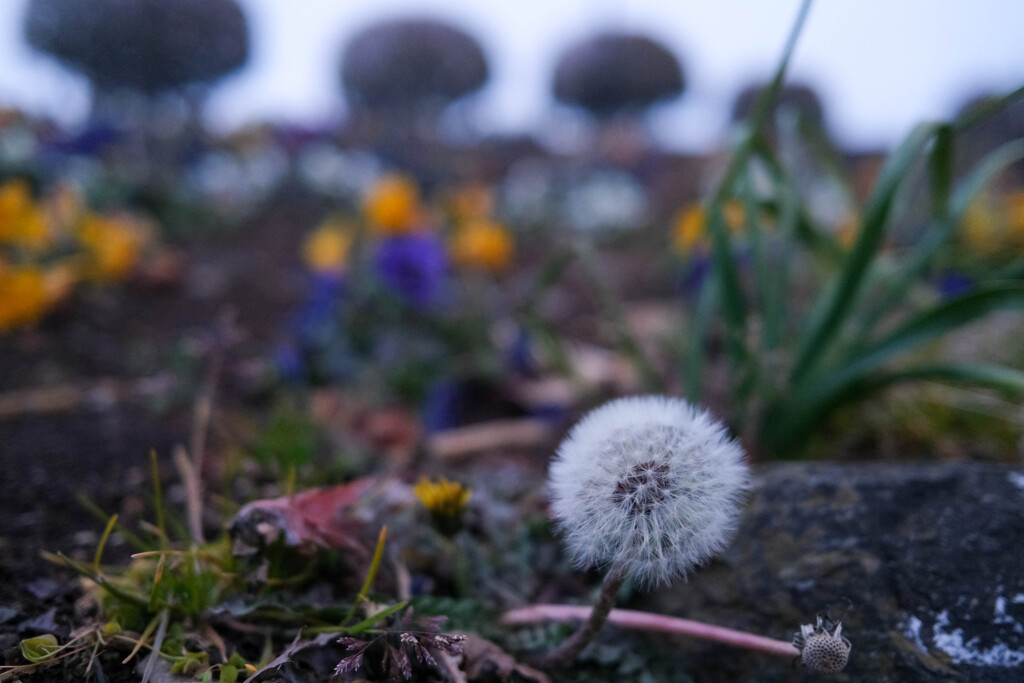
pixel 413 267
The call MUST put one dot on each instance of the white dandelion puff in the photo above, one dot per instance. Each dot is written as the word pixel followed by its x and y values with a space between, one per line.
pixel 649 485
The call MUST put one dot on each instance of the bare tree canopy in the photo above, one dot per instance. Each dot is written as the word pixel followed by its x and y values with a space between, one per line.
pixel 148 45
pixel 611 73
pixel 411 62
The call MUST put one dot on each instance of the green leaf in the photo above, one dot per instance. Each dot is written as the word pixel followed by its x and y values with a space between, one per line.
pixel 986 109
pixel 228 673
pixel 940 169
pixel 370 622
pixel 697 338
pixel 933 239
pixel 734 308
pixel 794 219
pixel 40 648
pixel 938 321
pixel 788 427
pixel 833 308
pixel 986 375
pixel 1014 270
pixel 788 424
pixel 766 273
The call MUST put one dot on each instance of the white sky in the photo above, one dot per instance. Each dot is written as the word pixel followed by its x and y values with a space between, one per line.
pixel 879 65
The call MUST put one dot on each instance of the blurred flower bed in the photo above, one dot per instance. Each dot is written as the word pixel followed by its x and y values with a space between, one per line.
pixel 53 243
pixel 443 315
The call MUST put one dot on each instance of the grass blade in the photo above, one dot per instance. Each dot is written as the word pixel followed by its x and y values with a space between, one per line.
pixel 111 523
pixel 370 622
pixel 371 574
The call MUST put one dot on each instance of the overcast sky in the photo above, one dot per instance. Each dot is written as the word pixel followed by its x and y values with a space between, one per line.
pixel 879 65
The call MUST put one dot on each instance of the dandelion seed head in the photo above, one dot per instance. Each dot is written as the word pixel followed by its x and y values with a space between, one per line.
pixel 648 483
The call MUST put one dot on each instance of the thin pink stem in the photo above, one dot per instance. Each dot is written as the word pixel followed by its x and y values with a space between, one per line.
pixel 645 621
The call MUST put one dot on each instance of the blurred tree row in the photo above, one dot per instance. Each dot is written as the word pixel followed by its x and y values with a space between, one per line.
pixel 400 74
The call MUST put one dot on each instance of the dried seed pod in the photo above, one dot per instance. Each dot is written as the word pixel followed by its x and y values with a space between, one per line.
pixel 823 648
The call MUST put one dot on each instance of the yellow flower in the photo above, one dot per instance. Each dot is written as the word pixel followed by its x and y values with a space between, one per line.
pixel 482 244
pixel 113 244
pixel 981 226
pixel 326 249
pixel 847 233
pixel 22 221
pixel 690 228
pixel 393 205
pixel 1015 216
pixel 445 500
pixel 23 296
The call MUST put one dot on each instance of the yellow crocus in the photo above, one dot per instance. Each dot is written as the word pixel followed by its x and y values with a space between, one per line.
pixel 1015 217
pixel 393 205
pixel 22 220
pixel 326 249
pixel 981 226
pixel 483 244
pixel 691 230
pixel 23 297
pixel 113 244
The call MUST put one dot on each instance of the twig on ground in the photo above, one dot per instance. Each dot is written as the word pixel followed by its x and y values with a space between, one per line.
pixel 462 442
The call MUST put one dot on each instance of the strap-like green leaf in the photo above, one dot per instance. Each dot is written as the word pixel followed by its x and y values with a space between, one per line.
pixel 697 338
pixel 938 321
pixel 830 312
pixel 787 428
pixel 937 235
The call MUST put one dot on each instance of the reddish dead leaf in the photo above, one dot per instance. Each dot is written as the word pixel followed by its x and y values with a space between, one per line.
pixel 325 518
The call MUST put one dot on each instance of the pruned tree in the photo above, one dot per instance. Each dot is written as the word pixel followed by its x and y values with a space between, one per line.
pixel 149 62
pixel 146 45
pixel 405 72
pixel 617 73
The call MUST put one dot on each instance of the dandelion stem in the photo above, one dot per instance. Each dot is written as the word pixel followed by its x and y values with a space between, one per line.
pixel 645 621
pixel 571 647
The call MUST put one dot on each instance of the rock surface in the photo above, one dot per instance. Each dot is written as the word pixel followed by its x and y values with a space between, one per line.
pixel 924 564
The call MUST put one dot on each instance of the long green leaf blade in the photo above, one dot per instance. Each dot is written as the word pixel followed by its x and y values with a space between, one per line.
pixel 961 198
pixel 939 321
pixel 790 428
pixel 834 307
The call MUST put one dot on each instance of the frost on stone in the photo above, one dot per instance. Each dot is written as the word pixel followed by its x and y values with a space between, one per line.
pixel 951 641
pixel 1001 617
pixel 912 630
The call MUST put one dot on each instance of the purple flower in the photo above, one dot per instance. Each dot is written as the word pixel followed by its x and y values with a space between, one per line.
pixel 413 267
pixel 321 306
pixel 952 284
